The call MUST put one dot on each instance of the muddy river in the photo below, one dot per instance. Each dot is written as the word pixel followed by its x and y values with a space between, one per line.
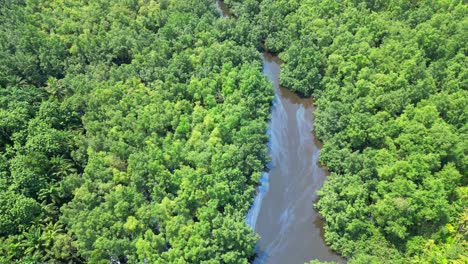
pixel 290 229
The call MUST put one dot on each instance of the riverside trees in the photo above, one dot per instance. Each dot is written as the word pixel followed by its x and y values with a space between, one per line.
pixel 389 80
pixel 131 131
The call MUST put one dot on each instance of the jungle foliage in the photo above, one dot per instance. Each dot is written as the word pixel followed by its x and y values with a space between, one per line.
pixel 390 83
pixel 130 132
pixel 133 131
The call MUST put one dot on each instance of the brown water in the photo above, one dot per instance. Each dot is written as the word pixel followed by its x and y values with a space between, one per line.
pixel 282 214
pixel 291 230
pixel 223 9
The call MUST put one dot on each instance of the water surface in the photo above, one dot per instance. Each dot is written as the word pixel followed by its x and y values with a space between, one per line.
pixel 290 230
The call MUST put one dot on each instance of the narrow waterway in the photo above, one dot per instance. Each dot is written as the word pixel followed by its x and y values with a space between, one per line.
pixel 291 231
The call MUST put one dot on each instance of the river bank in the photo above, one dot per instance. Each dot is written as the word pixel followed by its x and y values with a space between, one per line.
pixel 282 214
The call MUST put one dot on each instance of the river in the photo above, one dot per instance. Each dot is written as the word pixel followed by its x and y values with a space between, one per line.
pixel 290 229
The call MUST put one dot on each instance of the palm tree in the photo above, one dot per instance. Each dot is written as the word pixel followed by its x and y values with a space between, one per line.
pixel 61 167
pixel 55 89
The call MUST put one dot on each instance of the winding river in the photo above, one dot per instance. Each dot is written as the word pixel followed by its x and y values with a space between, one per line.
pixel 291 231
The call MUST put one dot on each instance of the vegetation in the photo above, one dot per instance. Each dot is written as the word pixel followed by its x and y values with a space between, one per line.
pixel 134 131
pixel 390 83
pixel 130 132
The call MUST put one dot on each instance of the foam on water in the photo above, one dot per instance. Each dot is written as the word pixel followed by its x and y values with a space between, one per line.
pixel 282 211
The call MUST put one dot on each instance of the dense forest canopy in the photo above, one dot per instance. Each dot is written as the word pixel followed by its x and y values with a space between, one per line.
pixel 390 81
pixel 130 132
pixel 134 131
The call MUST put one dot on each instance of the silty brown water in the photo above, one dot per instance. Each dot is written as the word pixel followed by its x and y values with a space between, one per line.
pixel 291 230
